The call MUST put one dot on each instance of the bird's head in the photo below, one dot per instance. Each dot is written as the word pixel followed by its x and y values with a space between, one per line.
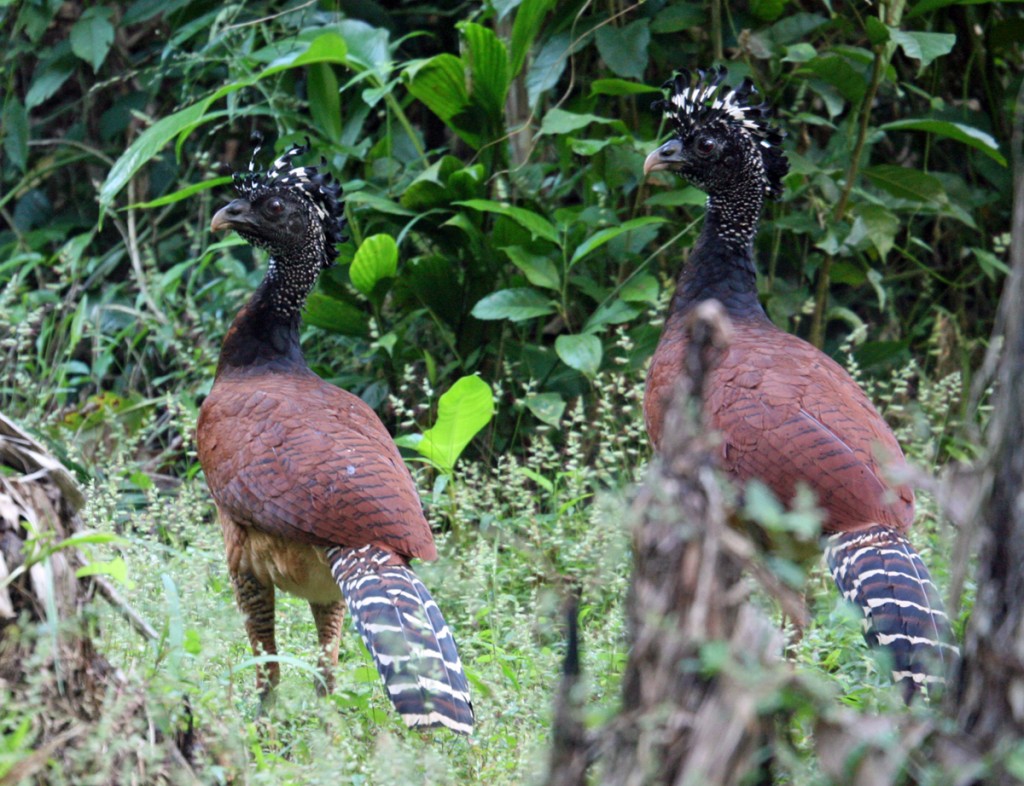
pixel 721 141
pixel 294 213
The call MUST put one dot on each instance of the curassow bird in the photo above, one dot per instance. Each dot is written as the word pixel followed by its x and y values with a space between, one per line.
pixel 312 495
pixel 787 412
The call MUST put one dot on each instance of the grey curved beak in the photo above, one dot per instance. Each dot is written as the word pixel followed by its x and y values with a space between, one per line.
pixel 664 157
pixel 233 215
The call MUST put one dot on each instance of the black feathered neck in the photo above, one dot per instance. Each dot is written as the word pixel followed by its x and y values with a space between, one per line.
pixel 264 335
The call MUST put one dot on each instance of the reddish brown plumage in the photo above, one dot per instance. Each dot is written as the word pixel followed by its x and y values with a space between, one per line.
pixel 309 462
pixel 312 495
pixel 788 413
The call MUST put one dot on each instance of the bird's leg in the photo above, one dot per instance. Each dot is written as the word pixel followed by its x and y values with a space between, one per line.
pixel 257 604
pixel 328 618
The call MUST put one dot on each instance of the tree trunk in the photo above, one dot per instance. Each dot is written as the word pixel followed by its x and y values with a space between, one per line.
pixel 987 695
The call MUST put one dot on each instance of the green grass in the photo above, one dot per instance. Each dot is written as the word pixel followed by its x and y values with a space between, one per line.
pixel 519 532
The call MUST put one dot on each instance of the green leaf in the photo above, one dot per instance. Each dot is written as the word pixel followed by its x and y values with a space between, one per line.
pixel 466 408
pixel 15 132
pixel 181 193
pixel 537 225
pixel 619 87
pixel 968 135
pixel 768 10
pixel 677 196
pixel 641 288
pixel 528 20
pixel 375 259
pixel 546 407
pixel 335 315
pixel 326 48
pixel 488 64
pixel 624 49
pixel 92 35
pixel 324 100
pixel 47 79
pixel 925 6
pixel 925 47
pixel 539 270
pixel 836 71
pixel 514 304
pixel 877 225
pixel 116 568
pixel 145 147
pixel 558 121
pixel 440 83
pixel 547 67
pixel 598 239
pixel 906 183
pixel 991 265
pixel 581 351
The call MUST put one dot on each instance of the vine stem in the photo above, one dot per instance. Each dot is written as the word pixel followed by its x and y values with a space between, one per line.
pixel 882 53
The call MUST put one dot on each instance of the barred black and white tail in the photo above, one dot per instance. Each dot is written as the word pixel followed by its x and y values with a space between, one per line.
pixel 410 642
pixel 879 570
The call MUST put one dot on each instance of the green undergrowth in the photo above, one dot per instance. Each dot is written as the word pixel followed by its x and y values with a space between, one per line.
pixel 518 535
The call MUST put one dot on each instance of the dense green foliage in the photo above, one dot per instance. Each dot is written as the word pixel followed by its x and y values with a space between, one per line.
pixel 491 161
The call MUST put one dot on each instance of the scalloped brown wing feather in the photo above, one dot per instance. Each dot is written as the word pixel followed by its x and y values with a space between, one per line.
pixel 296 457
pixel 789 413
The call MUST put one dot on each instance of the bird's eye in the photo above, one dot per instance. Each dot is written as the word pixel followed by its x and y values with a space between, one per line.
pixel 275 207
pixel 705 145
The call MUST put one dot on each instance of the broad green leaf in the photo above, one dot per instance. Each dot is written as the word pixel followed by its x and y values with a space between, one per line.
pixel 514 304
pixel 679 16
pixel 116 568
pixel 335 315
pixel 613 312
pixel 925 47
pixel 536 224
pixel 619 87
pixel 768 10
pixel 488 64
pixel 529 18
pixel 850 82
pixel 539 270
pixel 47 79
pixel 145 147
pixel 92 35
pixel 547 67
pixel 800 53
pixel 440 83
pixel 462 411
pixel 180 194
pixel 325 48
pixel 558 121
pixel 641 288
pixel 991 265
pixel 581 352
pixel 591 147
pixel 969 135
pixel 324 100
pixel 624 49
pixel 15 132
pixel 598 239
pixel 677 196
pixel 546 407
pixel 367 47
pixel 375 259
pixel 906 183
pixel 925 6
pixel 875 224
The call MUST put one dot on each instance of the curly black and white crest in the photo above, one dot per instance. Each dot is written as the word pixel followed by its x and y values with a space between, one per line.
pixel 697 102
pixel 308 182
